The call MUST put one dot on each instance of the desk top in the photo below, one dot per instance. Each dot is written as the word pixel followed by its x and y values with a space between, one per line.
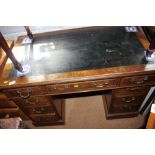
pixel 89 52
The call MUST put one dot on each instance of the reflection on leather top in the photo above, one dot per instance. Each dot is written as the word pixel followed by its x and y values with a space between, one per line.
pixel 91 49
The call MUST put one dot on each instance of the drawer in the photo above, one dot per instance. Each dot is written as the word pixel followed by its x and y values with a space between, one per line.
pixel 5 103
pixel 124 109
pixel 9 112
pixel 33 101
pixel 128 99
pixel 130 103
pixel 50 118
pixel 82 86
pixel 25 92
pixel 39 110
pixel 132 90
pixel 138 80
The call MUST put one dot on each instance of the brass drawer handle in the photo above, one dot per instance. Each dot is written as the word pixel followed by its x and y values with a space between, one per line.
pixel 76 86
pixel 101 85
pixel 139 81
pixel 106 83
pixel 55 87
pixel 24 96
pixel 67 86
pixel 128 100
pixel 134 89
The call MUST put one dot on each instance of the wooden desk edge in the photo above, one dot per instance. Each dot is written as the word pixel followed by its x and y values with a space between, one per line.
pixel 85 74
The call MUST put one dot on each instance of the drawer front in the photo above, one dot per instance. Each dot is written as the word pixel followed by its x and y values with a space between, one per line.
pixel 39 110
pixel 122 104
pixel 138 80
pixel 9 112
pixel 124 109
pixel 132 90
pixel 25 92
pixel 50 118
pixel 7 104
pixel 32 101
pixel 82 86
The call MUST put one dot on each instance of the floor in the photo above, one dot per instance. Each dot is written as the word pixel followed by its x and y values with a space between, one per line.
pixel 88 113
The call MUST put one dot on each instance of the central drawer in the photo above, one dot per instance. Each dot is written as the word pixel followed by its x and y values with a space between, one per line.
pixel 82 86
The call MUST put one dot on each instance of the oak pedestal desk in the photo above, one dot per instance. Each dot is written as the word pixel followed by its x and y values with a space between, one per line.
pixel 108 60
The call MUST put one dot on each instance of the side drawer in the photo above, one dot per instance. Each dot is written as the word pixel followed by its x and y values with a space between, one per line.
pixel 24 92
pixel 82 86
pixel 138 80
pixel 39 110
pixel 132 90
pixel 32 101
pixel 122 104
pixel 45 118
pixel 5 103
pixel 9 112
pixel 123 109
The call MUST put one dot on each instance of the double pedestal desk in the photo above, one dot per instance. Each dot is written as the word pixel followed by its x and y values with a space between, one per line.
pixel 108 60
